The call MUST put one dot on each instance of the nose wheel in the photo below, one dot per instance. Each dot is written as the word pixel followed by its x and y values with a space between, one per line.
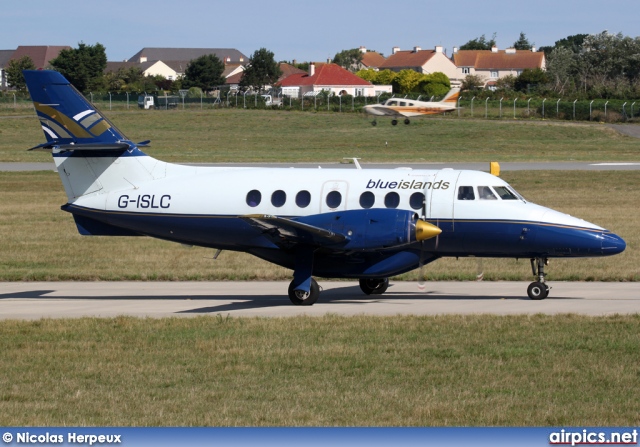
pixel 538 290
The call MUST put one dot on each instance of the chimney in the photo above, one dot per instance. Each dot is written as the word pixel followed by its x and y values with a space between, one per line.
pixel 494 49
pixel 533 49
pixel 363 49
pixel 394 50
pixel 294 62
pixel 312 69
pixel 143 59
pixel 416 49
pixel 455 50
pixel 438 48
pixel 510 51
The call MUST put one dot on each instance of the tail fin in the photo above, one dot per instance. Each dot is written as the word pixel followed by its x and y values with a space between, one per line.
pixel 67 118
pixel 452 96
pixel 83 142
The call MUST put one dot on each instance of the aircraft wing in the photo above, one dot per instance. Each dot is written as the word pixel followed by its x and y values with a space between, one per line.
pixel 385 111
pixel 286 232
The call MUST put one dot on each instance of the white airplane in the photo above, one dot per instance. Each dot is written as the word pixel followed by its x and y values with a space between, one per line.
pixel 406 108
pixel 366 224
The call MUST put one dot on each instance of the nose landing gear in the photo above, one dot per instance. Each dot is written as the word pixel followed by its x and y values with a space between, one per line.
pixel 538 290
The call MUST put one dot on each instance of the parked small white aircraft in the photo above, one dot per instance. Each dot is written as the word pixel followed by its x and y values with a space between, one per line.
pixel 406 108
pixel 367 224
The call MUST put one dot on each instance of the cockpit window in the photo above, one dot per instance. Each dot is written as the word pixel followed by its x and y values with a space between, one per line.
pixel 466 193
pixel 505 193
pixel 485 193
pixel 392 103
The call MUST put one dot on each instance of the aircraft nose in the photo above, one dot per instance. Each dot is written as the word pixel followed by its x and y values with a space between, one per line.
pixel 612 244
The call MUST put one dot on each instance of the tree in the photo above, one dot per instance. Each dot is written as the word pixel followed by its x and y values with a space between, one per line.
pixel 472 82
pixel 522 43
pixel 348 59
pixel 83 66
pixel 530 78
pixel 480 43
pixel 406 81
pixel 435 84
pixel 262 70
pixel 15 78
pixel 204 72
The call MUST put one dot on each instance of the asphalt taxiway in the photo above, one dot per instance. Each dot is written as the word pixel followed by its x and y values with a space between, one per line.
pixel 35 300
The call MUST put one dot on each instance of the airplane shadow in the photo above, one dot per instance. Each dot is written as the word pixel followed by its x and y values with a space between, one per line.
pixel 348 294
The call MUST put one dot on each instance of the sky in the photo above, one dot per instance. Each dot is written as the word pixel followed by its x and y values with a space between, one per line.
pixel 306 30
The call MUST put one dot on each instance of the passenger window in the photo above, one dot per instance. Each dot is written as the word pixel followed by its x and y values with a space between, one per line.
pixel 254 198
pixel 334 199
pixel 367 199
pixel 402 104
pixel 303 199
pixel 485 193
pixel 504 193
pixel 416 200
pixel 392 200
pixel 278 198
pixel 466 193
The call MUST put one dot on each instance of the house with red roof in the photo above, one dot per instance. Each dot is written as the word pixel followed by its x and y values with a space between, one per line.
pixel 370 59
pixel 331 78
pixel 494 64
pixel 422 61
pixel 39 54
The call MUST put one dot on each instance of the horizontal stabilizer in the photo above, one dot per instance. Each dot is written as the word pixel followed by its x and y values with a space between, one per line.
pixel 116 147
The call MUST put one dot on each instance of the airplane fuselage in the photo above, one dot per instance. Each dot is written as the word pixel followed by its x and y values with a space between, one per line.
pixel 205 206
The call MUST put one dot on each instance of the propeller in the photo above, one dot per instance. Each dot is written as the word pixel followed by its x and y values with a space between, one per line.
pixel 425 231
pixel 480 270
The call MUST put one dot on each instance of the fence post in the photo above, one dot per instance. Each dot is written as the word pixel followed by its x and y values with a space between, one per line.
pixel 528 107
pixel 624 114
pixel 514 108
pixel 543 107
pixel 459 99
pixel 501 107
pixel 574 110
pixel 605 110
pixel 558 109
pixel 472 105
pixel 486 108
pixel 590 108
pixel 632 109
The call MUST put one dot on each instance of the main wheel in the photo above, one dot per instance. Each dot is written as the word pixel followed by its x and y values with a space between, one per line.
pixel 537 291
pixel 406 121
pixel 300 298
pixel 394 122
pixel 374 286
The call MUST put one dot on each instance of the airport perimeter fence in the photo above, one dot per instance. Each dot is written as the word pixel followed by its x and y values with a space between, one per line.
pixel 600 110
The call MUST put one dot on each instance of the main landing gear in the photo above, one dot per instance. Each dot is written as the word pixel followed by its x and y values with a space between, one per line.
pixel 374 286
pixel 538 290
pixel 302 298
pixel 394 122
pixel 370 286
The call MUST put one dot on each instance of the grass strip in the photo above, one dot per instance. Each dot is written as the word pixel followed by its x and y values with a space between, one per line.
pixel 328 371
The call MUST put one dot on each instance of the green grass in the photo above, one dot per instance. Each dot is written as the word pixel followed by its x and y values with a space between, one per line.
pixel 336 371
pixel 231 135
pixel 40 242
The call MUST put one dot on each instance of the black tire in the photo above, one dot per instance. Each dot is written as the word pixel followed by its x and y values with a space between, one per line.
pixel 374 123
pixel 406 121
pixel 374 286
pixel 394 122
pixel 300 298
pixel 537 291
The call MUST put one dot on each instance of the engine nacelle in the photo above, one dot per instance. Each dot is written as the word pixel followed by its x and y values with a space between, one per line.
pixel 373 229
